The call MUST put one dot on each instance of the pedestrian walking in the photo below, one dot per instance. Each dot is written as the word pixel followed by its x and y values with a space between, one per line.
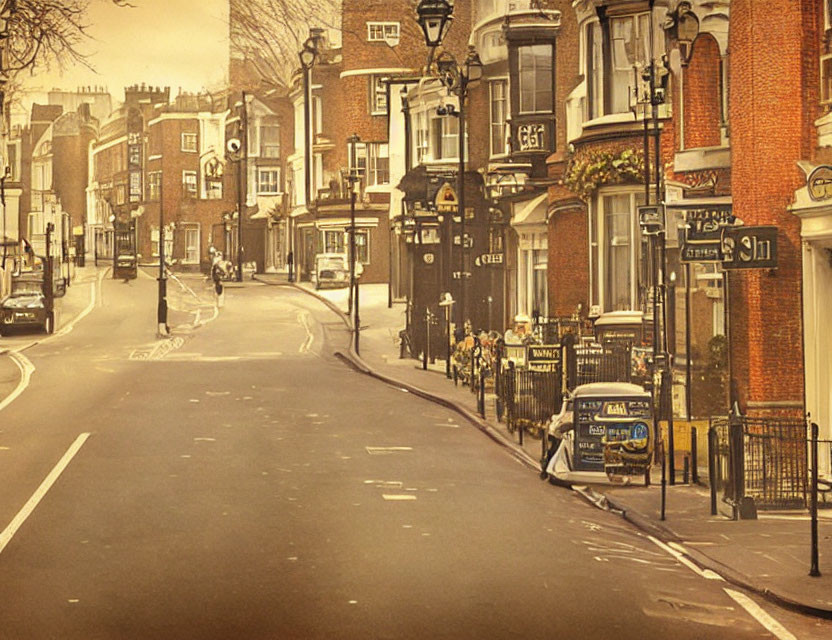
pixel 217 274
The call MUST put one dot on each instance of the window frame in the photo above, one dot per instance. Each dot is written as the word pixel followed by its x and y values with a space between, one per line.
pixel 383 26
pixel 378 95
pixel 187 190
pixel 188 135
pixel 268 122
pixel 260 184
pixel 503 126
pixel 825 99
pixel 188 229
pixel 535 110
pixel 362 233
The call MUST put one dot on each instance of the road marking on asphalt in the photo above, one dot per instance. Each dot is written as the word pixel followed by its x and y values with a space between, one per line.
pixel 26 370
pixel 398 496
pixel 37 496
pixel 771 625
pixel 71 325
pixel 679 555
pixel 384 451
pixel 303 318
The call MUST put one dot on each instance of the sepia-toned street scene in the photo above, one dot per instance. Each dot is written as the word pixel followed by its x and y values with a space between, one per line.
pixel 415 319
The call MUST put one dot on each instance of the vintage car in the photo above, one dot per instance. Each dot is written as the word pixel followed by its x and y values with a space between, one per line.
pixel 333 270
pixel 603 433
pixel 26 306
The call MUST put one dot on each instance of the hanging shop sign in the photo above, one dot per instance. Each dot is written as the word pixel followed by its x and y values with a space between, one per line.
pixel 446 200
pixel 749 247
pixel 543 357
pixel 134 154
pixel 532 137
pixel 703 226
pixel 819 183
pixel 469 240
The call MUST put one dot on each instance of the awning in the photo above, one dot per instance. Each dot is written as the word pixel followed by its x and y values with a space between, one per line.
pixel 532 212
pixel 345 222
pixel 699 203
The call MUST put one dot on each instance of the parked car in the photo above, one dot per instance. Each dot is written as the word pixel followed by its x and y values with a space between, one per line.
pixel 25 306
pixel 333 270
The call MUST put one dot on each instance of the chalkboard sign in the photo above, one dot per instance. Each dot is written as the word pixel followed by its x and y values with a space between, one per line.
pixel 543 357
pixel 600 419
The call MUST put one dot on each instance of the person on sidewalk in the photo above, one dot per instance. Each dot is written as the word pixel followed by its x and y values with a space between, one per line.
pixel 217 274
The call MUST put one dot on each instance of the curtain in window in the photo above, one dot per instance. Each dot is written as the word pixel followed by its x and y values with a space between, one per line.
pixel 617 231
pixel 536 79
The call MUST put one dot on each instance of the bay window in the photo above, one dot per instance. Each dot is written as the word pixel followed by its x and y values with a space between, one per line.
pixel 536 78
pixel 372 160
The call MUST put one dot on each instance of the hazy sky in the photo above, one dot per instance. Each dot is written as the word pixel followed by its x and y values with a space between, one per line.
pixel 176 43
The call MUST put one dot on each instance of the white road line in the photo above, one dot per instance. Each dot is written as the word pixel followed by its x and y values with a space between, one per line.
pixel 771 625
pixel 707 573
pixel 303 318
pixel 37 496
pixel 26 370
pixel 398 496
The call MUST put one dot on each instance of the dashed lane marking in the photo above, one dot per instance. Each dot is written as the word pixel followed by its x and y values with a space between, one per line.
pixel 757 612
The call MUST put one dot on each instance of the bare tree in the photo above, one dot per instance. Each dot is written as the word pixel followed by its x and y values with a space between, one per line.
pixel 42 32
pixel 268 34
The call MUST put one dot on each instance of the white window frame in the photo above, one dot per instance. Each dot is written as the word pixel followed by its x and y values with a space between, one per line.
pixel 261 171
pixel 192 251
pixel 375 151
pixel 190 190
pixel 502 126
pixel 154 183
pixel 154 241
pixel 189 142
pixel 378 95
pixel 384 32
pixel 327 245
pixel 598 250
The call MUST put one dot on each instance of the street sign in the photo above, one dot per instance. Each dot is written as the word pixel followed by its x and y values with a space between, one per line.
pixel 749 247
pixel 703 252
pixel 465 274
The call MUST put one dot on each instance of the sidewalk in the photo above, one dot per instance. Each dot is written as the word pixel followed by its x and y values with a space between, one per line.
pixel 769 556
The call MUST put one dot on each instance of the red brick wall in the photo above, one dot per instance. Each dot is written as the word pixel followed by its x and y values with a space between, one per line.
pixel 568 270
pixel 770 66
pixel 702 96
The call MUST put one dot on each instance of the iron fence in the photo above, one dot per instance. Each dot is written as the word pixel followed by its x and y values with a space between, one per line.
pixel 603 364
pixel 758 463
pixel 527 399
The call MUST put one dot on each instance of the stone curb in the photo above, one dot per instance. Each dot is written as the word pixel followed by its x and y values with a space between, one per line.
pixel 640 521
pixel 704 561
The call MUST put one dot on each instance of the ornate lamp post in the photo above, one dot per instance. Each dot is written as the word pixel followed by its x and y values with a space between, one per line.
pixel 457 79
pixel 308 55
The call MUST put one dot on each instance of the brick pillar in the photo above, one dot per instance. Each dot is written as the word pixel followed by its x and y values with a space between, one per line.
pixel 769 46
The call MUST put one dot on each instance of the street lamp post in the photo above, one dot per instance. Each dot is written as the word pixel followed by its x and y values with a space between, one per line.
pixel 6 12
pixel 308 55
pixel 353 178
pixel 457 79
pixel 162 304
pixel 242 175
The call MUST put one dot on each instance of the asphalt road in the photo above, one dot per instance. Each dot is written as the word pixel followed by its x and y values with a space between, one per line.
pixel 241 482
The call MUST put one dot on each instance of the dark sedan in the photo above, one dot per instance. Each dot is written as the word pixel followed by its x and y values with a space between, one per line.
pixel 25 307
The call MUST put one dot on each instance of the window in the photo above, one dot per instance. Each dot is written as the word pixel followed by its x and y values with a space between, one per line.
pixel 536 79
pixel 422 138
pixel 378 95
pixel 189 142
pixel 383 32
pixel 362 246
pixel 154 185
pixel 268 181
pixel 121 191
pixel 333 240
pixel 613 251
pixel 539 287
pixel 378 163
pixel 269 138
pixel 499 111
pixel 191 244
pixel 154 241
pixel 189 183
pixel 610 89
pixel 826 79
pixel 444 132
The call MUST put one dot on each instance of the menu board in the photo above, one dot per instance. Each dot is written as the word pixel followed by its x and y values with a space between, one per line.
pixel 597 419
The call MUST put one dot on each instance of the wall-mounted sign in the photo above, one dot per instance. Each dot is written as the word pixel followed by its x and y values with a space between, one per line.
pixel 749 247
pixel 489 258
pixel 819 183
pixel 428 258
pixel 469 240
pixel 134 154
pixel 705 252
pixel 446 200
pixel 532 137
pixel 703 226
